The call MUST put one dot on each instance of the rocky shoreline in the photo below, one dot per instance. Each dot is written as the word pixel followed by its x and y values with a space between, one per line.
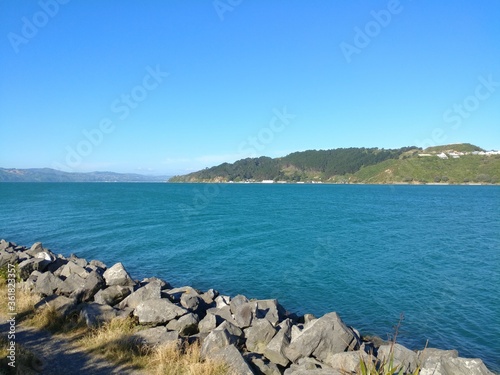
pixel 251 336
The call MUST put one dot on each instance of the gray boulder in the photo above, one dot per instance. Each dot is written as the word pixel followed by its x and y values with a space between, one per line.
pixel 93 283
pixel 149 291
pixel 112 295
pixel 231 356
pixel 192 301
pixel 156 336
pixel 275 349
pixel 7 257
pixel 35 249
pixel 222 301
pixel 237 301
pixel 244 314
pixel 47 255
pixel 73 285
pixel 56 266
pixel 222 313
pixel 175 294
pixel 347 362
pixel 98 263
pixel 261 365
pixel 216 340
pixel 5 244
pixel 208 323
pixel 118 275
pixel 209 296
pixel 46 284
pixel 71 268
pixel 26 267
pixel 233 330
pixel 259 335
pixel 96 314
pixel 447 362
pixel 78 261
pixel 320 338
pixel 158 311
pixel 61 304
pixel 404 358
pixel 186 325
pixel 271 310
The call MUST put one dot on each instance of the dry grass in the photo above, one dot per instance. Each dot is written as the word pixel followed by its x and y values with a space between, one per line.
pixel 170 360
pixel 25 301
pixel 113 341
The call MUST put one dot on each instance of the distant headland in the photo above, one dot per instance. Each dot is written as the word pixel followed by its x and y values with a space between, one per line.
pixel 461 163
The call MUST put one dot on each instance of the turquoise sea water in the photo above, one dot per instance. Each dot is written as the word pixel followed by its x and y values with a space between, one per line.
pixel 367 252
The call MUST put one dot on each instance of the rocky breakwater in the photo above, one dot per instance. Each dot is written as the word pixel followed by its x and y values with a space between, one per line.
pixel 251 336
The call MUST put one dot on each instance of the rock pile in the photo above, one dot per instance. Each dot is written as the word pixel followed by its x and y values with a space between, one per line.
pixel 251 336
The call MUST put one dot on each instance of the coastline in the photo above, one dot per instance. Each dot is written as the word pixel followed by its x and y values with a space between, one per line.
pixel 248 334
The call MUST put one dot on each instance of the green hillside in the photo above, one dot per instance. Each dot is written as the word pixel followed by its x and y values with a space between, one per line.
pixel 361 165
pixel 457 147
pixel 466 169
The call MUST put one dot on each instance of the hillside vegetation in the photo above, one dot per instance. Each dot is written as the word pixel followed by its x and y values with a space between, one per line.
pixel 362 165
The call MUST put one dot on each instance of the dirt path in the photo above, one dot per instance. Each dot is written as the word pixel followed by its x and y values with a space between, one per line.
pixel 59 355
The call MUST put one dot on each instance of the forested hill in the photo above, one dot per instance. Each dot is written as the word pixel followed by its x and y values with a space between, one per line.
pixel 457 163
pixel 298 166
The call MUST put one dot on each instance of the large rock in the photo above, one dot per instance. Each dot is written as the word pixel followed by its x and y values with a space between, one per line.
pixel 348 362
pixel 156 336
pixel 118 275
pixel 271 310
pixel 46 284
pixel 403 358
pixel 186 325
pixel 223 313
pixel 79 261
pixel 36 248
pixel 216 340
pixel 447 362
pixel 231 356
pixel 237 301
pixel 5 245
pixel 175 294
pixel 245 313
pixel 112 295
pixel 209 296
pixel 192 302
pixel 261 365
pixel 71 268
pixel 61 304
pixel 320 338
pixel 73 285
pixel 33 264
pixel 158 311
pixel 151 290
pixel 275 349
pixel 7 257
pixel 259 335
pixel 96 314
pixel 208 323
pixel 93 283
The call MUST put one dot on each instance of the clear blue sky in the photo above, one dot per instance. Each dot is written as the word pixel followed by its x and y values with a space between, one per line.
pixel 341 73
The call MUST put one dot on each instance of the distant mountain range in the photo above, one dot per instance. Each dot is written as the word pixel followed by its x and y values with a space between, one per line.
pixel 453 164
pixel 52 175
